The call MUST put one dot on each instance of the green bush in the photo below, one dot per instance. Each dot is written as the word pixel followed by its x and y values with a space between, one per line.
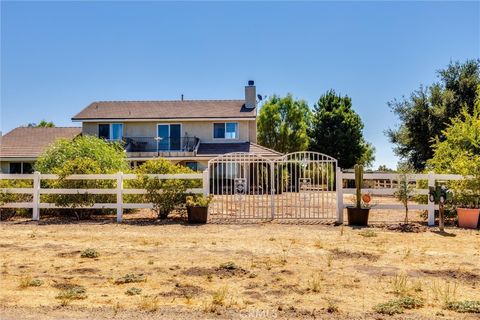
pixel 82 155
pixel 6 197
pixel 165 194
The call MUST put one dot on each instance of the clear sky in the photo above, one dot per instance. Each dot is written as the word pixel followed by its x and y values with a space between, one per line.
pixel 57 57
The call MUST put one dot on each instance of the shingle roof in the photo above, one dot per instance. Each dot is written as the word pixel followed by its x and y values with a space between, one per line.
pixel 31 142
pixel 186 109
pixel 213 149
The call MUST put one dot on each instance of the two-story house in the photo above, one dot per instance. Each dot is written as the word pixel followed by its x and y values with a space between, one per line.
pixel 188 132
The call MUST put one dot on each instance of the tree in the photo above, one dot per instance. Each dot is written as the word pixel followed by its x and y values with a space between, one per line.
pixel 283 123
pixel 41 124
pixel 336 130
pixel 459 153
pixel 428 111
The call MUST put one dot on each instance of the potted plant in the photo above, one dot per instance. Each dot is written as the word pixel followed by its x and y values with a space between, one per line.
pixel 467 199
pixel 197 208
pixel 467 192
pixel 358 215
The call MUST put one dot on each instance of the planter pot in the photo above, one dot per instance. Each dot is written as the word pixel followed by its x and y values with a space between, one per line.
pixel 357 216
pixel 197 214
pixel 468 218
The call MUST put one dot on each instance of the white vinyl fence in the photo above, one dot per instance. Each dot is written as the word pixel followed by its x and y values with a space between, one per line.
pixel 431 178
pixel 119 191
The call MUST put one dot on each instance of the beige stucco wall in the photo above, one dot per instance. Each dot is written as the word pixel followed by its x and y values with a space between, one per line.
pixel 200 129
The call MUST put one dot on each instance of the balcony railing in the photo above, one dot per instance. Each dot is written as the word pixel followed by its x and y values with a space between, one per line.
pixel 157 144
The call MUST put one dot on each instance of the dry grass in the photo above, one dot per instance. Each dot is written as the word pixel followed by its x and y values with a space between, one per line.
pixel 285 271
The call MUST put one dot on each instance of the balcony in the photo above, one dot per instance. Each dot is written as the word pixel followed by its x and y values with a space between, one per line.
pixel 160 147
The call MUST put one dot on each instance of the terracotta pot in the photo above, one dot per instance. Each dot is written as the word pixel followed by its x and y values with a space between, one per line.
pixel 468 218
pixel 197 214
pixel 357 216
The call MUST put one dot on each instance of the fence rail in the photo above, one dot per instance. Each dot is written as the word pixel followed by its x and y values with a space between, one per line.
pixel 119 191
pixel 431 179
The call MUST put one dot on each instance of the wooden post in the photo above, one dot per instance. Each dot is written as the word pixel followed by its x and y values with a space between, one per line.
pixel 119 196
pixel 36 196
pixel 431 205
pixel 339 191
pixel 441 216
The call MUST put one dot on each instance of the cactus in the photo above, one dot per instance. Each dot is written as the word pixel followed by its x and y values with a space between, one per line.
pixel 358 183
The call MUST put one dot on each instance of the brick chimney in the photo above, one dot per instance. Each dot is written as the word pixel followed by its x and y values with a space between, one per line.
pixel 250 95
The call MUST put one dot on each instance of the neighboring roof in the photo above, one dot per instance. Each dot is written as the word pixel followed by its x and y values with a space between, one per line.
pixel 186 109
pixel 31 142
pixel 214 149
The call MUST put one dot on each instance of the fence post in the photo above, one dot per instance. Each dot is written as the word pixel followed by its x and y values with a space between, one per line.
pixel 119 196
pixel 36 196
pixel 206 183
pixel 431 205
pixel 339 190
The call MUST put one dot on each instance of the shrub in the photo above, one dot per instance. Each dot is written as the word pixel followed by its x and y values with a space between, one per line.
pixel 72 293
pixel 82 155
pixel 90 253
pixel 409 302
pixel 164 194
pixel 5 197
pixel 131 278
pixel 464 306
pixel 389 308
pixel 133 291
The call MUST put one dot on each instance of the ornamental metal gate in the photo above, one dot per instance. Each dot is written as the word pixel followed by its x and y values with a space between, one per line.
pixel 297 186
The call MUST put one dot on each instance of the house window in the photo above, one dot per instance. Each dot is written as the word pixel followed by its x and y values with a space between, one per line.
pixel 27 167
pixel 15 167
pixel 192 165
pixel 110 131
pixel 21 167
pixel 227 130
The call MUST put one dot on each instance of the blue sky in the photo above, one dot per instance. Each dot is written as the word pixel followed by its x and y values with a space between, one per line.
pixel 57 57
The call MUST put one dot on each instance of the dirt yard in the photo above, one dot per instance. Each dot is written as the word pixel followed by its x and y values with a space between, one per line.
pixel 263 271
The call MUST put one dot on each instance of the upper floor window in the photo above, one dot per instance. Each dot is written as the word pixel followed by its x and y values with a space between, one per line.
pixel 110 131
pixel 226 130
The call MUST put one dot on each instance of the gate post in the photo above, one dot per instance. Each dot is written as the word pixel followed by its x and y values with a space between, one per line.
pixel 119 193
pixel 272 188
pixel 206 181
pixel 339 191
pixel 431 205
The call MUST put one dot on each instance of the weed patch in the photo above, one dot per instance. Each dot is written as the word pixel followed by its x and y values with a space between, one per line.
pixel 133 291
pixel 72 293
pixel 90 253
pixel 131 278
pixel 367 233
pixel 464 306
